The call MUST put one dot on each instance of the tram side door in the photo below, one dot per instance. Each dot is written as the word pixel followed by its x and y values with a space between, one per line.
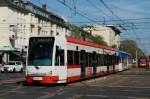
pixel 107 62
pixel 94 63
pixel 83 63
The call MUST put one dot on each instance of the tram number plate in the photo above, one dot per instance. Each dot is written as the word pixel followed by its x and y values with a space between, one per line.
pixel 37 78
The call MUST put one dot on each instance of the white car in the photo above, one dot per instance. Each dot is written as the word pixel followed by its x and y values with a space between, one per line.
pixel 14 66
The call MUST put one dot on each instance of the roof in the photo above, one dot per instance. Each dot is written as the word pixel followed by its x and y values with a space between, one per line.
pixel 124 54
pixel 86 43
pixel 115 29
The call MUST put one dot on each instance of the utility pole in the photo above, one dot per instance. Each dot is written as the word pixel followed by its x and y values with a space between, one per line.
pixel 136 53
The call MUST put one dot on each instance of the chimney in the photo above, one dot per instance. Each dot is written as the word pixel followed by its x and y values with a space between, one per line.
pixel 44 7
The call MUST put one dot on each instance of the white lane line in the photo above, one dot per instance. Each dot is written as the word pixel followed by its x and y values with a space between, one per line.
pixel 102 96
pixel 130 90
pixel 120 86
pixel 87 95
pixel 138 98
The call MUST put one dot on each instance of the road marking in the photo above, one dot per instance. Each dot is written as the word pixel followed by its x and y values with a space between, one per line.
pixel 103 96
pixel 130 87
pixel 138 98
pixel 130 90
pixel 120 86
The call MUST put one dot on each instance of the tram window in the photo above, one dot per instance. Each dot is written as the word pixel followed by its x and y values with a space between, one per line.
pixel 94 62
pixel 105 60
pixel 90 59
pixel 87 59
pixel 76 57
pixel 62 61
pixel 82 55
pixel 101 60
pixel 117 59
pixel 59 58
pixel 109 59
pixel 97 59
pixel 70 57
pixel 113 60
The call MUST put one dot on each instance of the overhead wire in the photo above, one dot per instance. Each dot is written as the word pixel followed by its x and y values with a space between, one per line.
pixel 97 8
pixel 82 14
pixel 50 8
pixel 107 7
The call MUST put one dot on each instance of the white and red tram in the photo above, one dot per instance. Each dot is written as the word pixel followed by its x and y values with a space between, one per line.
pixel 64 59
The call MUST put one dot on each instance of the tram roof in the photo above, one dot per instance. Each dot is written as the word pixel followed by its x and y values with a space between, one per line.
pixel 87 43
pixel 124 54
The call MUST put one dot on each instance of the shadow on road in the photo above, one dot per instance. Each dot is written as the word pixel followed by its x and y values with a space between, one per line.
pixel 39 85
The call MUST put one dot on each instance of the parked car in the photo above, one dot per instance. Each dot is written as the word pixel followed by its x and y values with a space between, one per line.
pixel 13 66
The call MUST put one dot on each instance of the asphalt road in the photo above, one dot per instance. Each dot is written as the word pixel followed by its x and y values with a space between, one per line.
pixel 131 84
pixel 8 76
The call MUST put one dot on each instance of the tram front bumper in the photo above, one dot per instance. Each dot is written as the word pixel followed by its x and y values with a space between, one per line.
pixel 42 80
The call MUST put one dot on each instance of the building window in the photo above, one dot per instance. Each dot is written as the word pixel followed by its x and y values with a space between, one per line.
pixel 52 33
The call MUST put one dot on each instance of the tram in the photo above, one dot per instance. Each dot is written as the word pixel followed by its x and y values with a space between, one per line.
pixel 143 62
pixel 125 61
pixel 60 59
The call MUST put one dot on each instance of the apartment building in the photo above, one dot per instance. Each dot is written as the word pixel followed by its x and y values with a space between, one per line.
pixel 20 20
pixel 110 33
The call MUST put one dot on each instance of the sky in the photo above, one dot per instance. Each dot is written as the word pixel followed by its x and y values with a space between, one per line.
pixel 137 29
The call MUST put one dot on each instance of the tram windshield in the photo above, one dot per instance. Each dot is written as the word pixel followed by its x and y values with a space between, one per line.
pixel 40 51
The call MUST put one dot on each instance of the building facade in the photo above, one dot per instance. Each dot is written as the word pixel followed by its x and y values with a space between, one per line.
pixel 20 20
pixel 110 34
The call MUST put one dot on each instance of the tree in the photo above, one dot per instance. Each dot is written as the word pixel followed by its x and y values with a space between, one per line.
pixel 79 33
pixel 76 33
pixel 131 47
pixel 98 39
